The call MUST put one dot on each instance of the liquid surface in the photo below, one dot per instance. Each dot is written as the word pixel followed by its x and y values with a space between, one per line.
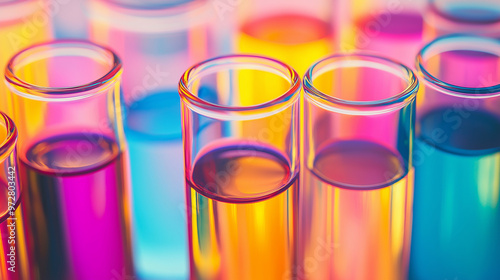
pixel 241 173
pixel 299 29
pixel 395 35
pixel 81 204
pixel 157 115
pixel 404 24
pixel 473 13
pixel 466 133
pixel 355 233
pixel 456 212
pixel 358 164
pixel 228 239
pixel 72 153
pixel 298 40
pixel 153 132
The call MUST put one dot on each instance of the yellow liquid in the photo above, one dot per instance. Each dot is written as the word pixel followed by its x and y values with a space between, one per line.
pixel 231 239
pixel 355 217
pixel 296 40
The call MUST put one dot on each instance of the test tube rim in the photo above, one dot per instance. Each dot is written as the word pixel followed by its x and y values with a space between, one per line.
pixel 16 9
pixel 448 88
pixel 240 112
pixel 9 142
pixel 434 9
pixel 157 10
pixel 385 105
pixel 7 146
pixel 26 89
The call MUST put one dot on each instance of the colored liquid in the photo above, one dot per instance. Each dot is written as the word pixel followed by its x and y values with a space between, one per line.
pixel 456 214
pixel 296 40
pixel 153 132
pixel 18 242
pixel 473 13
pixel 230 239
pixel 75 203
pixel 398 36
pixel 355 214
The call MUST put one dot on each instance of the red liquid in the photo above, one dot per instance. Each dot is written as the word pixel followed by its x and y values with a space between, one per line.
pixel 234 240
pixel 75 205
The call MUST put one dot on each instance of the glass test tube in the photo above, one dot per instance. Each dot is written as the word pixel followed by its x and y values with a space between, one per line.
pixel 13 254
pixel 357 184
pixel 391 28
pixel 65 99
pixel 241 162
pixel 69 18
pixel 444 17
pixel 457 161
pixel 158 41
pixel 294 31
pixel 22 23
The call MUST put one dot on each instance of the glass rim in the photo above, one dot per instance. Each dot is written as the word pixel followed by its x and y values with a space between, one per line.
pixel 132 18
pixel 62 93
pixel 7 146
pixel 436 10
pixel 330 101
pixel 8 143
pixel 157 9
pixel 444 44
pixel 280 102
pixel 16 9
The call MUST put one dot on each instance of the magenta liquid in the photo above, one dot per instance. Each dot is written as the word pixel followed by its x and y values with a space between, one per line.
pixel 75 208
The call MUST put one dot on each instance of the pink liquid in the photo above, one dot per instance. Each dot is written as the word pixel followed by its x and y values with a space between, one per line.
pixel 75 206
pixel 397 35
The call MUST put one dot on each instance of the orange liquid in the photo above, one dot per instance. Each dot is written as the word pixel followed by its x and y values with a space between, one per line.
pixel 242 202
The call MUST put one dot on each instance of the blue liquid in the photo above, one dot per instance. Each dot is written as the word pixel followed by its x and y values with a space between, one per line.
pixel 456 226
pixel 153 132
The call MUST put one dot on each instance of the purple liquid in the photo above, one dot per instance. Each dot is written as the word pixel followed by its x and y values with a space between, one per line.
pixel 75 203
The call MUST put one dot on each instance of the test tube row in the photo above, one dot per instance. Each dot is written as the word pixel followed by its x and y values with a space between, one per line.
pixel 346 173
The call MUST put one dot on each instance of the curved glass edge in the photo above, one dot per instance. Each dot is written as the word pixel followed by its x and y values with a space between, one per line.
pixel 449 43
pixel 36 92
pixel 133 18
pixel 343 106
pixel 240 61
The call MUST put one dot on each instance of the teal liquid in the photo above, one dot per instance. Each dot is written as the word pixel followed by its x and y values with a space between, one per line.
pixel 153 133
pixel 154 137
pixel 456 223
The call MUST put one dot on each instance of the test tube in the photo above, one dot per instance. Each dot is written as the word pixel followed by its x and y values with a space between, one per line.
pixel 158 41
pixel 13 254
pixel 69 19
pixel 457 160
pixel 294 31
pixel 22 23
pixel 65 98
pixel 356 184
pixel 242 163
pixel 444 17
pixel 390 28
